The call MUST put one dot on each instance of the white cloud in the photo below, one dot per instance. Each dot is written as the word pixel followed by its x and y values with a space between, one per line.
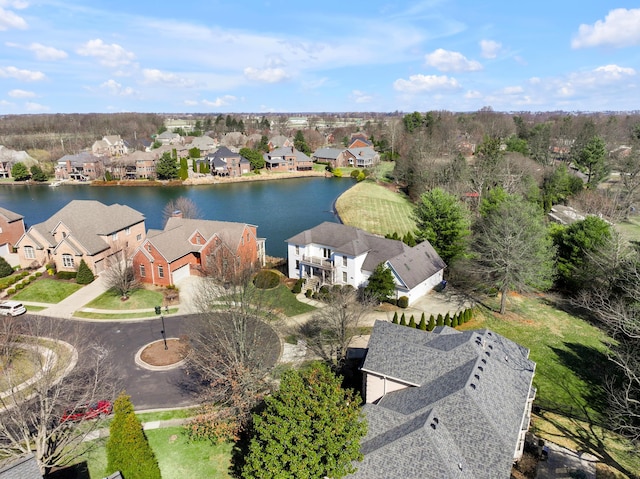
pixel 361 97
pixel 44 52
pixel 421 83
pixel 21 94
pixel 220 101
pixel 19 74
pixel 266 75
pixel 111 56
pixel 117 89
pixel 512 90
pixel 472 94
pixel 9 20
pixel 152 75
pixel 620 28
pixel 448 61
pixel 614 72
pixel 191 103
pixel 489 48
pixel 35 107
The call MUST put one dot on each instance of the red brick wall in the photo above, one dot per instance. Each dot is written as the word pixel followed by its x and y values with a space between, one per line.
pixel 11 232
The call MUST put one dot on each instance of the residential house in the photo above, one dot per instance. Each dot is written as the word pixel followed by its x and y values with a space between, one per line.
pixel 82 230
pixel 111 145
pixel 280 141
pixel 205 144
pixel 169 138
pixel 5 168
pixel 359 140
pixel 188 247
pixel 82 167
pixel 11 230
pixel 287 159
pixel 444 404
pixel 335 157
pixel 364 157
pixel 224 162
pixel 332 253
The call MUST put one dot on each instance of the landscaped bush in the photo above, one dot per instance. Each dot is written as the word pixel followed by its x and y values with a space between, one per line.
pixel 403 302
pixel 26 282
pixel 32 277
pixel 84 275
pixel 5 268
pixel 11 291
pixel 19 286
pixel 308 293
pixel 297 288
pixel 66 274
pixel 38 274
pixel 266 279
pixel 23 274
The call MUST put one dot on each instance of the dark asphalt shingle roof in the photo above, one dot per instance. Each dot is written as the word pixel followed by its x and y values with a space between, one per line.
pixel 10 216
pixel 463 419
pixel 25 467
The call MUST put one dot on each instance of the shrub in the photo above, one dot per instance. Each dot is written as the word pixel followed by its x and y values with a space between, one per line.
pixel 19 286
pixel 395 318
pixel 11 291
pixel 5 268
pixel 447 319
pixel 403 302
pixel 440 320
pixel 38 274
pixel 32 277
pixel 412 322
pixel 423 323
pixel 84 275
pixel 403 320
pixel 337 173
pixel 66 274
pixel 266 279
pixel 297 288
pixel 26 282
pixel 432 323
pixel 308 293
pixel 454 321
pixel 354 174
pixel 23 274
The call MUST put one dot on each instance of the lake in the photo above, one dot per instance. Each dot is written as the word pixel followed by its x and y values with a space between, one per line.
pixel 280 208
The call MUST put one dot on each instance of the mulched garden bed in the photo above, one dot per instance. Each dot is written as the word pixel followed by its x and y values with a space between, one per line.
pixel 155 354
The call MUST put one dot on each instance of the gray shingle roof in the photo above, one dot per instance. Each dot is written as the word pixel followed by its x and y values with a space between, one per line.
pixel 10 216
pixel 173 242
pixel 25 467
pixel 462 420
pixel 331 153
pixel 87 220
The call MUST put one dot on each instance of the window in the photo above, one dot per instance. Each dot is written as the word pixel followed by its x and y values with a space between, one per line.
pixel 114 236
pixel 139 237
pixel 160 271
pixel 326 253
pixel 149 247
pixel 344 261
pixel 142 271
pixel 29 252
pixel 67 261
pixel 344 276
pixel 297 250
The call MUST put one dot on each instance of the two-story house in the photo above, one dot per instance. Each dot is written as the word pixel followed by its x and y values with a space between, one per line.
pixel 224 162
pixel 287 159
pixel 444 404
pixel 332 253
pixel 188 247
pixel 82 230
pixel 111 145
pixel 11 230
pixel 83 166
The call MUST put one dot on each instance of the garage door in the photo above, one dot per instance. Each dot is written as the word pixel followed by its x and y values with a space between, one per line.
pixel 180 273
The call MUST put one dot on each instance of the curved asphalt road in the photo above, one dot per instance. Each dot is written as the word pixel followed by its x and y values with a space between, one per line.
pixel 148 389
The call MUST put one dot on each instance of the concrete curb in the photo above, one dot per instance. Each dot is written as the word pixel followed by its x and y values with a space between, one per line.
pixel 142 364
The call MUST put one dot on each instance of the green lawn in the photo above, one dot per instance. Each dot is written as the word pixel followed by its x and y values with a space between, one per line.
pixel 630 229
pixel 117 316
pixel 178 458
pixel 376 209
pixel 139 299
pixel 47 291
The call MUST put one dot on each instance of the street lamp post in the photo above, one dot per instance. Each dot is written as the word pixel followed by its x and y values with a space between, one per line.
pixel 164 334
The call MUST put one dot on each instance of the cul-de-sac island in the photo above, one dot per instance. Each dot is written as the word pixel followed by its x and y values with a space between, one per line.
pixel 470 310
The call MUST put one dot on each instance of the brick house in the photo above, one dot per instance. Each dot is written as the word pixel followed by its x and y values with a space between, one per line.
pixel 287 159
pixel 82 230
pixel 11 230
pixel 188 247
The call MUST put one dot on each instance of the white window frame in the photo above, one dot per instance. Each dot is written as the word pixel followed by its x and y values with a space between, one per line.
pixel 67 261
pixel 160 271
pixel 29 252
pixel 143 272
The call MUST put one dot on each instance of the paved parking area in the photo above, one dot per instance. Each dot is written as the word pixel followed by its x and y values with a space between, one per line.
pixel 564 463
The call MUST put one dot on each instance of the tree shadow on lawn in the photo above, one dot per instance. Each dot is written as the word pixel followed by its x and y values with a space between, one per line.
pixel 77 471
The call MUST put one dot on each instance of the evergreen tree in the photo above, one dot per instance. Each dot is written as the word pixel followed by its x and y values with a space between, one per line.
pixel 5 268
pixel 412 322
pixel 403 321
pixel 184 169
pixel 309 428
pixel 432 323
pixel 440 321
pixel 300 143
pixel 447 319
pixel 395 317
pixel 166 167
pixel 20 172
pixel 381 284
pixel 85 275
pixel 454 321
pixel 128 449
pixel 423 323
pixel 37 174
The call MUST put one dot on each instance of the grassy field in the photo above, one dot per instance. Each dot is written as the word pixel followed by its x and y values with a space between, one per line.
pixel 47 291
pixel 178 458
pixel 571 370
pixel 139 299
pixel 376 209
pixel 118 316
pixel 630 229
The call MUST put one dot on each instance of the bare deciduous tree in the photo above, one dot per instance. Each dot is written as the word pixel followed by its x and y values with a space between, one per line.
pixel 118 274
pixel 43 378
pixel 186 207
pixel 332 328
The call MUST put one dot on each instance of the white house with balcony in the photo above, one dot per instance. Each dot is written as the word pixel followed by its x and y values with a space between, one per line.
pixel 332 253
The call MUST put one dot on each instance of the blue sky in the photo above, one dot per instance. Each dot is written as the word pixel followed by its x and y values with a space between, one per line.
pixel 326 56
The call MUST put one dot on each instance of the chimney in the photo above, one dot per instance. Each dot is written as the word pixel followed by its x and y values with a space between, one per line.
pixel 176 214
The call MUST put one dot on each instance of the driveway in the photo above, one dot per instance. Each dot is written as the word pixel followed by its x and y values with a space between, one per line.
pixel 564 463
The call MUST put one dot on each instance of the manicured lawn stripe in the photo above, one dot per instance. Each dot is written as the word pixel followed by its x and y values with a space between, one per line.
pixel 47 291
pixel 139 299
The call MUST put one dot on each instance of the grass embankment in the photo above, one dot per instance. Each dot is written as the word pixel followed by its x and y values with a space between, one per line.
pixel 572 368
pixel 376 209
pixel 47 291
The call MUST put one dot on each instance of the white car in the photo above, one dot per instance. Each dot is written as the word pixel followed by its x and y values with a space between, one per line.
pixel 12 308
